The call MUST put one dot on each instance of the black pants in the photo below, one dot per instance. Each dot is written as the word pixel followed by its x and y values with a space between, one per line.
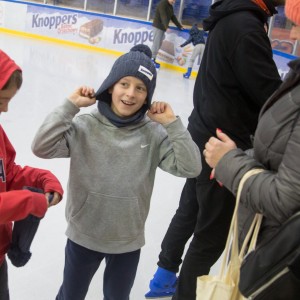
pixel 4 293
pixel 81 264
pixel 205 210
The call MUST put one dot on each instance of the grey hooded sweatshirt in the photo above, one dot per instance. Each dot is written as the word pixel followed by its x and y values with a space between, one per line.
pixel 112 172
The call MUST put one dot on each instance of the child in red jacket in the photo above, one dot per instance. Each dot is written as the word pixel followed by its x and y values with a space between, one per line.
pixel 15 203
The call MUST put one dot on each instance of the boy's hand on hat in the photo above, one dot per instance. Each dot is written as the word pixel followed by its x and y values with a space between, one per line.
pixel 83 97
pixel 161 112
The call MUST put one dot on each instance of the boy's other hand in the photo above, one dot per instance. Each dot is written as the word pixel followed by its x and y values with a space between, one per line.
pixel 161 112
pixel 83 97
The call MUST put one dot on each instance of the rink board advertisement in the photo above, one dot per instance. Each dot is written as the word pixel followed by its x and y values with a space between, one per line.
pixel 95 30
pixel 101 31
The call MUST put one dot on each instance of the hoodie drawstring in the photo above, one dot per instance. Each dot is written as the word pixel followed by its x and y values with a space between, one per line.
pixel 263 6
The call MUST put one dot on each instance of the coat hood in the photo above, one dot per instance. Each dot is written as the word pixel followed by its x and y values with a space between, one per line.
pixel 7 67
pixel 223 8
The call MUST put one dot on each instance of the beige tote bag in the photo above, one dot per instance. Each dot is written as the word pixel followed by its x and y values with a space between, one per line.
pixel 224 286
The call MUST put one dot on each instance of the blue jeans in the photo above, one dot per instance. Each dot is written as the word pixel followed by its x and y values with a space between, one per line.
pixel 81 264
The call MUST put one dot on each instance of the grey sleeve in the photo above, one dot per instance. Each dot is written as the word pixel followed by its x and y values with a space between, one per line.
pixel 275 194
pixel 51 139
pixel 179 155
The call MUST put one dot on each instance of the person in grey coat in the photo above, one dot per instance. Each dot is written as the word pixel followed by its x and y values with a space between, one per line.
pixel 275 192
pixel 114 153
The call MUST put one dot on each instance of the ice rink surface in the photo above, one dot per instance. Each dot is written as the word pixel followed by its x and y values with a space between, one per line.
pixel 51 72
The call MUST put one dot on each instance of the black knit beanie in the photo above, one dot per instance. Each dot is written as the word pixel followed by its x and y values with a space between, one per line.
pixel 137 62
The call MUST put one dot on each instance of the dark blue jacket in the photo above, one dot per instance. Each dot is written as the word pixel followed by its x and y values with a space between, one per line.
pixel 196 36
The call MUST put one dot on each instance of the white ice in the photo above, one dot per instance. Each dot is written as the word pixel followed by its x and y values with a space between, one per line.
pixel 51 72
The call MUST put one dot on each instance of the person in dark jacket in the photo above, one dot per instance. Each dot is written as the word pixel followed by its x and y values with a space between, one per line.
pixel 275 192
pixel 197 39
pixel 237 75
pixel 164 13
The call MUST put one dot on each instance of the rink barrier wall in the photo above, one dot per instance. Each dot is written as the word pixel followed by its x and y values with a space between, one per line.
pixel 93 31
pixel 57 41
pixel 99 32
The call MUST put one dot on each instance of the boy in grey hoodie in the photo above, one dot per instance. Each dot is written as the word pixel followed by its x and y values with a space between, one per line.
pixel 115 151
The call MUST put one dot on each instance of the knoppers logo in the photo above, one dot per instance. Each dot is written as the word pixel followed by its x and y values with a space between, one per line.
pixel 133 37
pixel 53 22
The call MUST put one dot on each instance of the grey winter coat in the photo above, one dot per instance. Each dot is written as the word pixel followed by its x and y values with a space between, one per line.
pixel 275 192
pixel 112 172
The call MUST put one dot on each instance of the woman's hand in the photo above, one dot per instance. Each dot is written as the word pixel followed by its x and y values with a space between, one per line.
pixel 217 147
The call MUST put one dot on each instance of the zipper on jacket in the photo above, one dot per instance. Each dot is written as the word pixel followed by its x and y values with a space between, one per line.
pixel 266 285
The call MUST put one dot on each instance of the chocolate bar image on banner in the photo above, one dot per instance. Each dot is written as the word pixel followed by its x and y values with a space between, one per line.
pixel 91 28
pixel 167 51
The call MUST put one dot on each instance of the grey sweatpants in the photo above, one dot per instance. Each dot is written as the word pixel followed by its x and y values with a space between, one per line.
pixel 198 50
pixel 158 37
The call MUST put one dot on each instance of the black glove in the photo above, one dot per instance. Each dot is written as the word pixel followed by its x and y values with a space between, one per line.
pixel 23 235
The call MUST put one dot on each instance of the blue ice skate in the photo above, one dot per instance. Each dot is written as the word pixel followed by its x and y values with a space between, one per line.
pixel 156 64
pixel 162 285
pixel 188 73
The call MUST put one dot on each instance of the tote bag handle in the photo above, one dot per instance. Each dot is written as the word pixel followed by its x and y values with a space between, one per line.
pixel 233 231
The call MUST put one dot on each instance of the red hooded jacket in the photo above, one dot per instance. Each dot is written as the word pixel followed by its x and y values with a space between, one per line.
pixel 15 203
